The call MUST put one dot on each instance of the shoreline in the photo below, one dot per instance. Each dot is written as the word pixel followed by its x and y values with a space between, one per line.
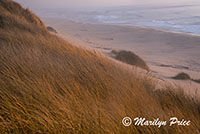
pixel 146 27
pixel 132 25
pixel 166 30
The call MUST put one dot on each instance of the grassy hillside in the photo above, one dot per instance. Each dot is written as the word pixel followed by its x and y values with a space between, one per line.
pixel 50 86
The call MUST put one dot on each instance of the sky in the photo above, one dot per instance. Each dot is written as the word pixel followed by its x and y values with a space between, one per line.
pixel 91 3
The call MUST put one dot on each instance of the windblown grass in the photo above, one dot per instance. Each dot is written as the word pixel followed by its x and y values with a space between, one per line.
pixel 198 81
pixel 49 86
pixel 130 58
pixel 182 76
pixel 185 76
pixel 51 29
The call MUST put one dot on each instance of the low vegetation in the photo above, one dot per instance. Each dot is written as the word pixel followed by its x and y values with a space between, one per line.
pixel 182 76
pixel 48 86
pixel 51 29
pixel 198 81
pixel 185 76
pixel 130 58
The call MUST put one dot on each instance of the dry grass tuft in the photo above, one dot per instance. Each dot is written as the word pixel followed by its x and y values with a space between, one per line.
pixel 48 86
pixel 182 76
pixel 51 29
pixel 198 81
pixel 130 58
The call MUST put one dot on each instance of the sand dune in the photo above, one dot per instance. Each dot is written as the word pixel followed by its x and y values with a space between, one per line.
pixel 50 86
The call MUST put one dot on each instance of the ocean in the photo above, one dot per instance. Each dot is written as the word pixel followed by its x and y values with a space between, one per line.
pixel 175 17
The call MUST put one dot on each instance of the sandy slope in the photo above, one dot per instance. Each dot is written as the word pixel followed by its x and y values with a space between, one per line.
pixel 167 53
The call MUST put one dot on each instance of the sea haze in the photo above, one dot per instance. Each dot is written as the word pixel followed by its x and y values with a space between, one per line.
pixel 181 18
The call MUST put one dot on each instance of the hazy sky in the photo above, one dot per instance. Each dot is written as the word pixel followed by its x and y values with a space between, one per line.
pixel 90 3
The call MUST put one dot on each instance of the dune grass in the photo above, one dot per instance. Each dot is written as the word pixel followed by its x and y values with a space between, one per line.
pixel 182 76
pixel 51 29
pixel 130 58
pixel 198 81
pixel 185 76
pixel 48 86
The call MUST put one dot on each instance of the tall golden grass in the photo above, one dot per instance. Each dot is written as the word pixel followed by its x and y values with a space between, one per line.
pixel 48 86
